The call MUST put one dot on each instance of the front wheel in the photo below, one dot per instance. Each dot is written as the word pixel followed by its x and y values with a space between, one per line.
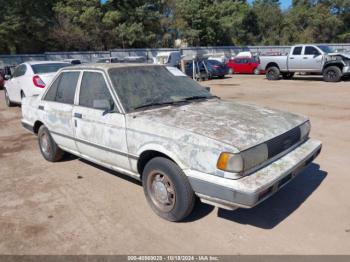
pixel 7 99
pixel 49 149
pixel 332 74
pixel 273 73
pixel 256 71
pixel 167 189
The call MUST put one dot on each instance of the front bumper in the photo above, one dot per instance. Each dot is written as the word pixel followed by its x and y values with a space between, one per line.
pixel 250 190
pixel 346 70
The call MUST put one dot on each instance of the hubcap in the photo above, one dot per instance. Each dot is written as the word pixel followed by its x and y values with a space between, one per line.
pixel 162 192
pixel 331 74
pixel 44 143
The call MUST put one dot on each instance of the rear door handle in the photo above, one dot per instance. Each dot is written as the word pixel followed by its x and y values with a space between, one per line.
pixel 78 115
pixel 291 58
pixel 304 57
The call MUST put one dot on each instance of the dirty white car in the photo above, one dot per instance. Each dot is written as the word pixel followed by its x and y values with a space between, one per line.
pixel 159 126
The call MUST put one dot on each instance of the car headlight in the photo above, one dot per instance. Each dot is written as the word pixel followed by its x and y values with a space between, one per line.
pixel 230 162
pixel 305 130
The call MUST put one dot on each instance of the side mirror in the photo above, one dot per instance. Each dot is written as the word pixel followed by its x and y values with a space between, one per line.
pixel 102 104
pixel 7 77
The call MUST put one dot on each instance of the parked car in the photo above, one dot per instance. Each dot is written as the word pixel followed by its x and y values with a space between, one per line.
pixel 172 58
pixel 214 67
pixel 316 59
pixel 244 65
pixel 127 59
pixel 159 126
pixel 73 61
pixel 30 79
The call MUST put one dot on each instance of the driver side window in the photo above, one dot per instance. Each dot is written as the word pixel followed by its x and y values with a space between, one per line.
pixel 310 50
pixel 94 91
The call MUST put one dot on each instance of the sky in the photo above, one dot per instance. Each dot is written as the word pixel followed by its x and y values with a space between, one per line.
pixel 284 3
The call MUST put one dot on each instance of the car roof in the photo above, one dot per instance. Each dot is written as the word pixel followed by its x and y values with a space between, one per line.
pixel 105 66
pixel 44 62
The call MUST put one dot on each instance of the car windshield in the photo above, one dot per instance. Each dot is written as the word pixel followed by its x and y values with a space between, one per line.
pixel 48 68
pixel 141 86
pixel 326 49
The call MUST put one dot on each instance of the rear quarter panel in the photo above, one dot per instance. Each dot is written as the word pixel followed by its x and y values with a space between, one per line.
pixel 281 61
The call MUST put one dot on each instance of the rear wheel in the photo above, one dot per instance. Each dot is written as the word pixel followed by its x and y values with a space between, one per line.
pixel 167 189
pixel 287 75
pixel 332 74
pixel 7 99
pixel 49 149
pixel 273 73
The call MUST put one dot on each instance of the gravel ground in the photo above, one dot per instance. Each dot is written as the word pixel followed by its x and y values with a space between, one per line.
pixel 75 207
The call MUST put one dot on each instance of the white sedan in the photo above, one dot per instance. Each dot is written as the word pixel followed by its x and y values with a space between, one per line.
pixel 30 79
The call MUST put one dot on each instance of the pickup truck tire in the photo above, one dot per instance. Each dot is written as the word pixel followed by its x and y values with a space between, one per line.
pixel 332 74
pixel 287 76
pixel 7 99
pixel 273 73
pixel 49 149
pixel 167 189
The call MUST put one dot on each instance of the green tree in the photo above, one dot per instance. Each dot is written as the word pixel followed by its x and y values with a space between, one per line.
pixel 24 25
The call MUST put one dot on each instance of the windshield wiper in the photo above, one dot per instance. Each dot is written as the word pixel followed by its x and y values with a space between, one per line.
pixel 199 97
pixel 155 104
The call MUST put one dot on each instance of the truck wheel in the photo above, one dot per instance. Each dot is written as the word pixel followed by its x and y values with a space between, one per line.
pixel 7 99
pixel 332 74
pixel 167 189
pixel 287 75
pixel 273 73
pixel 49 149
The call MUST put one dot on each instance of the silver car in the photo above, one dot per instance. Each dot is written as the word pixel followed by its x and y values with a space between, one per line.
pixel 157 125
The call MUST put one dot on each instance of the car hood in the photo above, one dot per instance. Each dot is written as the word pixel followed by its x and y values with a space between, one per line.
pixel 346 55
pixel 240 125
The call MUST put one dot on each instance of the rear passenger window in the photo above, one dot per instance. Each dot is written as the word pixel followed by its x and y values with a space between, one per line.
pixel 63 89
pixel 93 88
pixel 20 71
pixel 297 50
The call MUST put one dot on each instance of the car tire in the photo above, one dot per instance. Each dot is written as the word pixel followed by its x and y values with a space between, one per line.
pixel 287 76
pixel 222 76
pixel 256 71
pixel 332 74
pixel 7 99
pixel 167 189
pixel 48 148
pixel 230 71
pixel 273 73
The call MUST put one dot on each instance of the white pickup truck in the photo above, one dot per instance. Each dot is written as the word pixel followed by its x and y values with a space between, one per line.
pixel 159 126
pixel 316 59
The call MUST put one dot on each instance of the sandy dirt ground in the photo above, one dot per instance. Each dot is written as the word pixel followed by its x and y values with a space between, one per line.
pixel 75 207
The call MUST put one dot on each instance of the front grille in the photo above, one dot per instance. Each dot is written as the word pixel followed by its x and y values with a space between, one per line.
pixel 281 143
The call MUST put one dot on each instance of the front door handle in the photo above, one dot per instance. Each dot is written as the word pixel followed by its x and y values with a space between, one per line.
pixel 41 108
pixel 304 57
pixel 291 58
pixel 78 115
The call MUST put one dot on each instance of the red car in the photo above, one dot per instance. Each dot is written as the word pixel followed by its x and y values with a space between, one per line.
pixel 244 65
